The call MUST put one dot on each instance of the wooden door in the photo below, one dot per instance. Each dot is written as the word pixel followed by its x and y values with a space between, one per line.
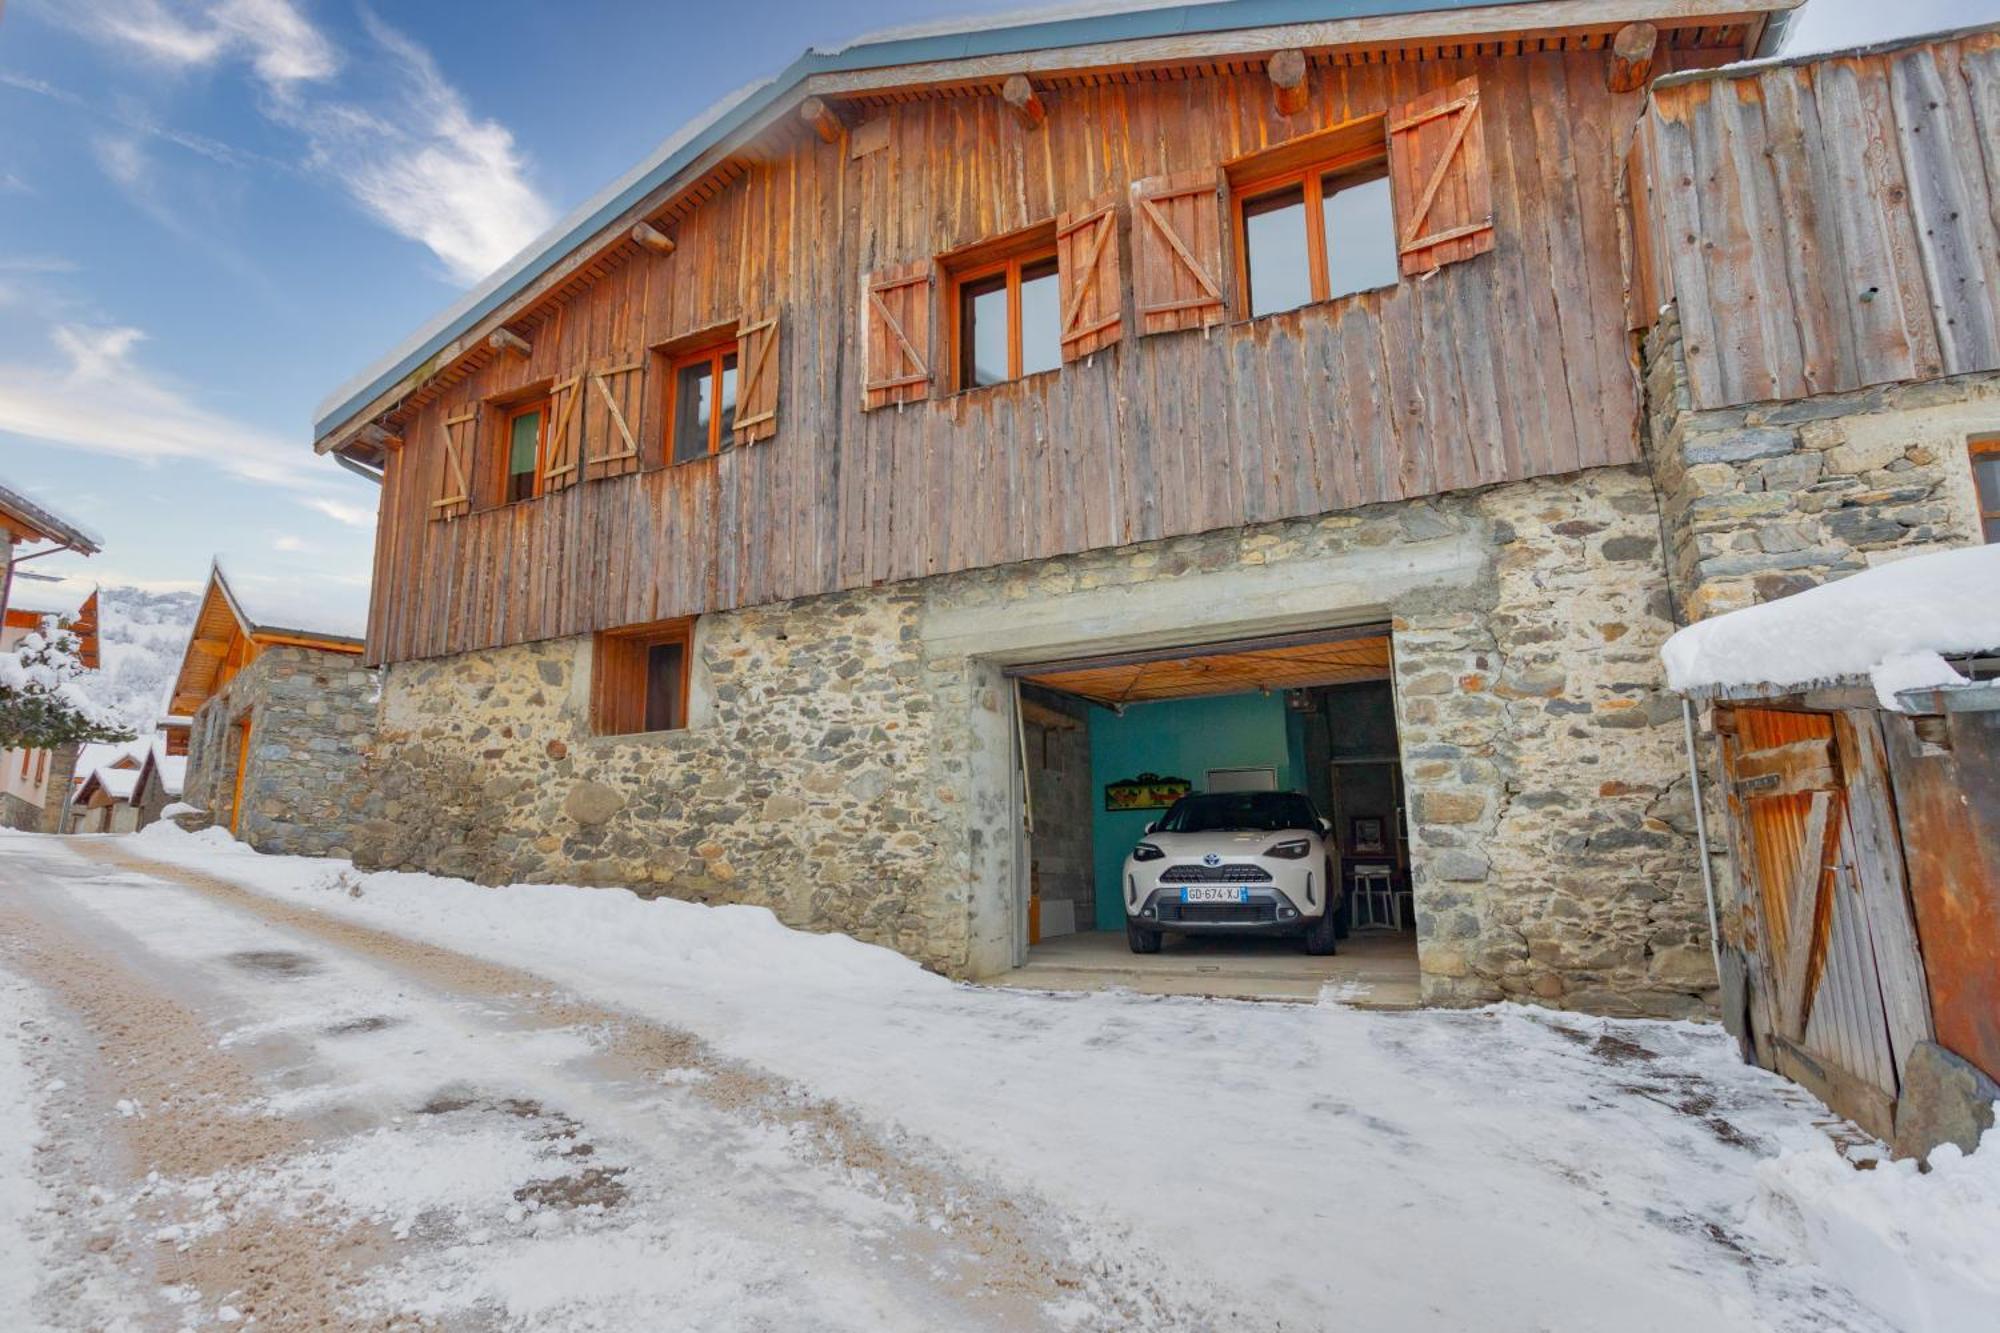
pixel 1839 992
pixel 242 766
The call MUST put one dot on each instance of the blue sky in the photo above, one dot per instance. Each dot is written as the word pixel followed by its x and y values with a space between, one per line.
pixel 213 212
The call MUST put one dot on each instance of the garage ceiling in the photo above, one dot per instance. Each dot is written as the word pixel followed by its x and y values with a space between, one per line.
pixel 1191 673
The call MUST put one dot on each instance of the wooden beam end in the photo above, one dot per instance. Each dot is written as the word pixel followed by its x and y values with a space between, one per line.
pixel 1021 98
pixel 646 234
pixel 828 121
pixel 1632 50
pixel 1287 71
pixel 506 340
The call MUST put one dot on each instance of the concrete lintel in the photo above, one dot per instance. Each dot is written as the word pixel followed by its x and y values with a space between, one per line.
pixel 1321 593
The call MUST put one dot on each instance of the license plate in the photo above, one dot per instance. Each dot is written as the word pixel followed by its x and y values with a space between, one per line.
pixel 1215 893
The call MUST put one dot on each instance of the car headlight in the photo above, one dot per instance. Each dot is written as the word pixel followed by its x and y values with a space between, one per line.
pixel 1146 851
pixel 1291 849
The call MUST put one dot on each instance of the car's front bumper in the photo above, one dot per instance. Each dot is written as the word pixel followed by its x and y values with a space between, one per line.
pixel 1265 911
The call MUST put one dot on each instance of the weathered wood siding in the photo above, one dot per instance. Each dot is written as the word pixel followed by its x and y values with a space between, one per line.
pixel 1830 224
pixel 1509 365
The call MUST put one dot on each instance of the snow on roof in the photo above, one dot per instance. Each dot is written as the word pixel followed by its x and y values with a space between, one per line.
pixel 1890 625
pixel 307 604
pixel 47 521
pixel 984 35
pixel 172 768
pixel 117 783
pixel 43 599
pixel 102 754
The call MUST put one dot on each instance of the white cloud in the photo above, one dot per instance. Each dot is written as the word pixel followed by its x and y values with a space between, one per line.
pixel 415 158
pixel 353 515
pixel 98 397
pixel 291 543
pixel 278 42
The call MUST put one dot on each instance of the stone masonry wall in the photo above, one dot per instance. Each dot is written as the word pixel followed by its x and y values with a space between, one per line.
pixel 18 814
pixel 831 767
pixel 1771 498
pixel 312 721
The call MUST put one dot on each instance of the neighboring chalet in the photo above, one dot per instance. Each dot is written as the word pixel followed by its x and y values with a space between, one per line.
pixel 35 784
pixel 279 710
pixel 912 478
pixel 103 802
pixel 875 505
pixel 28 778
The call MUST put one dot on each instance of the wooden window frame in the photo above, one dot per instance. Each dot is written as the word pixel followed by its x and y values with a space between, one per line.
pixel 1005 255
pixel 715 352
pixel 508 413
pixel 1246 185
pixel 619 662
pixel 1978 448
pixel 1010 268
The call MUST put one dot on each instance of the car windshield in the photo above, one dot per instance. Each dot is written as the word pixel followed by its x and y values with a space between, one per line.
pixel 1239 811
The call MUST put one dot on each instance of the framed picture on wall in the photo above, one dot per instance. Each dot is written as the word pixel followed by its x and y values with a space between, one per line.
pixel 1367 834
pixel 1148 791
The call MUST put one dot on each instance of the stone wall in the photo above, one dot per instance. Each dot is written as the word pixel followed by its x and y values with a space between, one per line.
pixel 849 758
pixel 62 772
pixel 312 720
pixel 1056 739
pixel 1770 498
pixel 18 814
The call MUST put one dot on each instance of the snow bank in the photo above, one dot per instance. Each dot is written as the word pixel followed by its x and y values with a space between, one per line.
pixel 1888 624
pixel 1921 1249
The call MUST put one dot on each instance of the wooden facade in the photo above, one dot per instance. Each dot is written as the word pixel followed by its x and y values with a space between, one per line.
pixel 1501 354
pixel 1829 224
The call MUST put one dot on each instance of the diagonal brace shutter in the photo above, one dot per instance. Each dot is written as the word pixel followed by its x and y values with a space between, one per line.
pixel 1087 265
pixel 560 466
pixel 895 335
pixel 455 436
pixel 757 379
pixel 1438 174
pixel 614 388
pixel 1177 251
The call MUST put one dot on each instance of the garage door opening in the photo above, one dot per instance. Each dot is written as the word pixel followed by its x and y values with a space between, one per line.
pixel 1242 731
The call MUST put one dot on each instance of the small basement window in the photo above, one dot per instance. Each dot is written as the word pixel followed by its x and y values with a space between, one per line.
pixel 1318 229
pixel 641 678
pixel 524 436
pixel 1986 481
pixel 701 401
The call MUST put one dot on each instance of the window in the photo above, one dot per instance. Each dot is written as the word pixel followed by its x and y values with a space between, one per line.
pixel 1986 481
pixel 701 401
pixel 1009 319
pixel 641 678
pixel 1316 232
pixel 524 435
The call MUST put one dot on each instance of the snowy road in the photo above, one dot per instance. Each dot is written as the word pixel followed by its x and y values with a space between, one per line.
pixel 272 1090
pixel 259 1113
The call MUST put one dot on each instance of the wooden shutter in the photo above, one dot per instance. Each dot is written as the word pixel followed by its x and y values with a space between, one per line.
pixel 559 467
pixel 756 379
pixel 1087 264
pixel 896 335
pixel 616 389
pixel 455 436
pixel 1438 174
pixel 1177 251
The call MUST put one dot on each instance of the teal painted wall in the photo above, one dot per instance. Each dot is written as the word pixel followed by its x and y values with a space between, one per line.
pixel 1175 738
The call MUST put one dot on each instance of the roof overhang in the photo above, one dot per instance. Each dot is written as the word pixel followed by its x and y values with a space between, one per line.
pixel 1084 42
pixel 27 521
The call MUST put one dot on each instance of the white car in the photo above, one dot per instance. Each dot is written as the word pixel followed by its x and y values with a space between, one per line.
pixel 1235 863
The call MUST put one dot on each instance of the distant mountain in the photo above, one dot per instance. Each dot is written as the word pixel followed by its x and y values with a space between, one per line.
pixel 143 636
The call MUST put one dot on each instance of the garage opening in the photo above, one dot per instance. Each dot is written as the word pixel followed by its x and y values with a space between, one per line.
pixel 1257 789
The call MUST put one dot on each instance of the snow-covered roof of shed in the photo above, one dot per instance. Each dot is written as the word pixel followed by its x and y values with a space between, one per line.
pixel 1891 626
pixel 1089 22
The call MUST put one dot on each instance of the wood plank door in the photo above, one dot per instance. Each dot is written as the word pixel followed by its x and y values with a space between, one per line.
pixel 242 766
pixel 1825 906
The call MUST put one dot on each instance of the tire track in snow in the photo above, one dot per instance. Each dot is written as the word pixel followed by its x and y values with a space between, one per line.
pixel 1026 1266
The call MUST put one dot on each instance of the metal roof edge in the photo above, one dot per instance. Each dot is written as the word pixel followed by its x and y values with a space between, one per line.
pixel 1744 69
pixel 1207 16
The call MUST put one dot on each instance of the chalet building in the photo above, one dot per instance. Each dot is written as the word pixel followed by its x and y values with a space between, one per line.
pixel 881 502
pixel 278 711
pixel 27 778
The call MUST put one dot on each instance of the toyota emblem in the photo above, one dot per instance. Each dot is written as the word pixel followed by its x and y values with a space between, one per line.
pixel 1212 859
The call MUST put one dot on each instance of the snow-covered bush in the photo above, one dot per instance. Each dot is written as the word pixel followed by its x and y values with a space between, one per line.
pixel 41 704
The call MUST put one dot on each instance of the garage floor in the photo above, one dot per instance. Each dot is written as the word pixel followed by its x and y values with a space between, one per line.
pixel 1373 970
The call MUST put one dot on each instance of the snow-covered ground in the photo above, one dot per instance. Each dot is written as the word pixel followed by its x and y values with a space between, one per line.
pixel 787 1130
